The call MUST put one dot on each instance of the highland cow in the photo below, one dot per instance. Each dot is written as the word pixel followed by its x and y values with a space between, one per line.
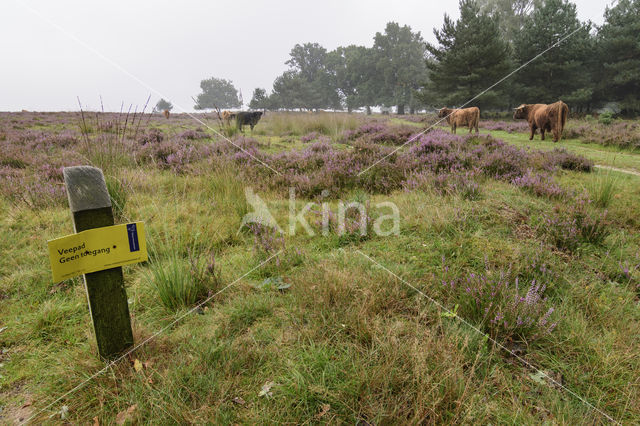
pixel 250 118
pixel 227 116
pixel 550 118
pixel 461 117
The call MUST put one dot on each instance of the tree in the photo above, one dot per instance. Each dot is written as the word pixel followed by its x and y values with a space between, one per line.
pixel 563 72
pixel 290 91
pixel 619 52
pixel 511 14
pixel 259 99
pixel 308 83
pixel 400 65
pixel 471 56
pixel 217 93
pixel 352 68
pixel 317 89
pixel 163 105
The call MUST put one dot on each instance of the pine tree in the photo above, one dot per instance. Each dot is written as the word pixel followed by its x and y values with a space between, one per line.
pixel 471 56
pixel 619 51
pixel 563 72
pixel 511 14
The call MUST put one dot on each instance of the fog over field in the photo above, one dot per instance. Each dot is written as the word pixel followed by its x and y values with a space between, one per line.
pixel 55 51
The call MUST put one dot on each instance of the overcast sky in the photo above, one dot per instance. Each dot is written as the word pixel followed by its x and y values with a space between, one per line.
pixel 53 51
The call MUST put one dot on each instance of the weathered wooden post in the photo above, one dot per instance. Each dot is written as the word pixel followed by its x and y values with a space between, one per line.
pixel 90 206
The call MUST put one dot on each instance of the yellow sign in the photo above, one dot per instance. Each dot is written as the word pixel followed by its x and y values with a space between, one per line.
pixel 97 249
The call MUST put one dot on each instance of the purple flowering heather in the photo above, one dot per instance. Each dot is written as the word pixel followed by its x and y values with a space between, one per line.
pixel 496 303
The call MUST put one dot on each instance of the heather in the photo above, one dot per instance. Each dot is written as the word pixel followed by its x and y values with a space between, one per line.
pixel 381 133
pixel 506 126
pixel 619 133
pixel 568 226
pixel 506 308
pixel 528 251
pixel 450 163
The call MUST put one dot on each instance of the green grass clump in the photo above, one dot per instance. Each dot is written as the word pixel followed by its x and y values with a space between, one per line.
pixel 178 282
pixel 603 189
pixel 118 194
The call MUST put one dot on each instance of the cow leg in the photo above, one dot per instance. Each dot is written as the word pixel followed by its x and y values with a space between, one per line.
pixel 533 132
pixel 453 129
pixel 542 133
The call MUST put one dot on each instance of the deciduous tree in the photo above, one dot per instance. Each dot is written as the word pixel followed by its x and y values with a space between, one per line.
pixel 217 93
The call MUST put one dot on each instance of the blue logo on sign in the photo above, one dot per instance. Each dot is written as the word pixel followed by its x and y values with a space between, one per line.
pixel 132 231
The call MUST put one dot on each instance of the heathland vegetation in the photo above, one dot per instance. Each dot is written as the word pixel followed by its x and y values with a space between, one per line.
pixel 529 243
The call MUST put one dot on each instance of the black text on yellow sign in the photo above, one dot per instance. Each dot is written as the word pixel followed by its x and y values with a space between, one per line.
pixel 97 249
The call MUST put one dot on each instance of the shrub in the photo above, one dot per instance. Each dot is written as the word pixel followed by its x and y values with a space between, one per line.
pixel 564 159
pixel 379 169
pixel 539 184
pixel 151 136
pixel 569 226
pixel 193 134
pixel 605 118
pixel 620 133
pixel 509 127
pixel 499 305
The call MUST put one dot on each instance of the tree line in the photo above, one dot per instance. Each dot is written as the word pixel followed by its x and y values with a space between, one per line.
pixel 594 66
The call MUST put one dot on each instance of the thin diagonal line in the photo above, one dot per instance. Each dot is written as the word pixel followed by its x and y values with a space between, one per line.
pixel 141 82
pixel 476 329
pixel 148 339
pixel 414 137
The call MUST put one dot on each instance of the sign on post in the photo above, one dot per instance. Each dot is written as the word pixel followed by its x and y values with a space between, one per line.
pixel 97 245
pixel 97 249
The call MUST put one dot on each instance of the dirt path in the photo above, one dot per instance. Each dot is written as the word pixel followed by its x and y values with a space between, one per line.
pixel 615 169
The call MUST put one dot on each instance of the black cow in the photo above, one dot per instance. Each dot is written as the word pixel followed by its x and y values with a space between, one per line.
pixel 250 118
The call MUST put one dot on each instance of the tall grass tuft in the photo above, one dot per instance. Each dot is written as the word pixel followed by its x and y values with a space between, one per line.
pixel 229 130
pixel 182 268
pixel 107 142
pixel 181 282
pixel 603 188
pixel 299 124
pixel 118 194
pixel 225 188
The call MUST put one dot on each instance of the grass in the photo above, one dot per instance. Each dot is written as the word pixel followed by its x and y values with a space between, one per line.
pixel 299 124
pixel 118 192
pixel 604 188
pixel 346 342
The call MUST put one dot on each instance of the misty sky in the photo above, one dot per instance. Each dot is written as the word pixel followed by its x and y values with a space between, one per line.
pixel 171 45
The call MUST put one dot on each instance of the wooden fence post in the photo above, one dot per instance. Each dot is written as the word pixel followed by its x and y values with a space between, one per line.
pixel 90 206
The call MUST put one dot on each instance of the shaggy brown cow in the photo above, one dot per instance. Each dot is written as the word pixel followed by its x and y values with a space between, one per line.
pixel 227 116
pixel 461 117
pixel 550 118
pixel 166 113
